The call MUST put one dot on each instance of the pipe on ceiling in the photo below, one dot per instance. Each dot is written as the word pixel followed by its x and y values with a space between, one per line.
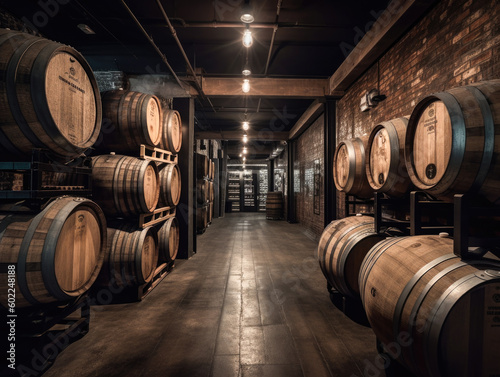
pixel 255 25
pixel 199 89
pixel 163 57
pixel 271 45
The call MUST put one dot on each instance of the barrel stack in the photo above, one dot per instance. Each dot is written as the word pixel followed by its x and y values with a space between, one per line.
pixel 138 189
pixel 431 301
pixel 205 191
pixel 54 236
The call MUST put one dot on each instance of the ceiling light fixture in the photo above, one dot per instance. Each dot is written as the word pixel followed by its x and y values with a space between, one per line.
pixel 246 125
pixel 246 86
pixel 247 37
pixel 246 70
pixel 245 150
pixel 245 138
pixel 246 13
pixel 244 158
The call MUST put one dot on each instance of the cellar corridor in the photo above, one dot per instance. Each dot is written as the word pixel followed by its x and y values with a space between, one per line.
pixel 251 302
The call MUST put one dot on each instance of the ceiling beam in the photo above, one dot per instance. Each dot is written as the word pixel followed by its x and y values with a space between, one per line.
pixel 309 116
pixel 264 87
pixel 263 135
pixel 389 27
pixel 252 150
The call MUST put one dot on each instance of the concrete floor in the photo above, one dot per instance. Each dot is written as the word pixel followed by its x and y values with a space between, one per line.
pixel 251 302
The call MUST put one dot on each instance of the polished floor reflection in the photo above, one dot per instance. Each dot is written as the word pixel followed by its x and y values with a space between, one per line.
pixel 251 302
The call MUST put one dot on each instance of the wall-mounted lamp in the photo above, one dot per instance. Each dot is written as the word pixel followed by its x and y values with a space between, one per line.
pixel 371 99
pixel 246 86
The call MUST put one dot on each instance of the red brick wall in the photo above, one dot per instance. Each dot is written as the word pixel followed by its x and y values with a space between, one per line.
pixel 455 44
pixel 310 151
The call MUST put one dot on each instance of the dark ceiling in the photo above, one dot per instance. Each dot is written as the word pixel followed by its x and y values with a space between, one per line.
pixel 309 35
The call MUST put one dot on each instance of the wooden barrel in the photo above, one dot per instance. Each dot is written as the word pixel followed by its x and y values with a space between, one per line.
pixel 57 253
pixel 349 170
pixel 135 119
pixel 453 142
pixel 171 138
pixel 202 169
pixel 342 247
pixel 211 192
pixel 132 255
pixel 202 190
pixel 210 215
pixel 168 240
pixel 64 116
pixel 274 205
pixel 201 218
pixel 125 186
pixel 212 175
pixel 385 163
pixel 170 185
pixel 439 312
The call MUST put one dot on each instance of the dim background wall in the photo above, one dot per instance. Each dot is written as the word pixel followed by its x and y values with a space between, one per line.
pixel 309 158
pixel 455 44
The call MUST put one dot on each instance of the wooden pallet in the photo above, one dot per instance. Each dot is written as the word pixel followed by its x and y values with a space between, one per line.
pixel 47 327
pixel 161 271
pixel 157 154
pixel 157 216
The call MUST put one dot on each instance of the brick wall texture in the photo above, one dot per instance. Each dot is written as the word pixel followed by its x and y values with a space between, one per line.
pixel 309 159
pixel 457 43
pixel 281 167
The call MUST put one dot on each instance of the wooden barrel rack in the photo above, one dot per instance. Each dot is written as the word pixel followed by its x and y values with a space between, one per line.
pixel 429 216
pixel 31 178
pixel 155 218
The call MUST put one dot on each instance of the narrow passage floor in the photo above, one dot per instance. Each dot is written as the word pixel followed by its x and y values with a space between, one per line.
pixel 251 302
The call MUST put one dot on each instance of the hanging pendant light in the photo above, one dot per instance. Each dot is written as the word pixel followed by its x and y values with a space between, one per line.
pixel 247 13
pixel 246 86
pixel 247 37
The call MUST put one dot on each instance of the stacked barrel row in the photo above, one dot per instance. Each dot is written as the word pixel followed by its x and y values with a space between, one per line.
pixel 433 312
pixel 129 188
pixel 48 99
pixel 449 145
pixel 436 314
pixel 205 194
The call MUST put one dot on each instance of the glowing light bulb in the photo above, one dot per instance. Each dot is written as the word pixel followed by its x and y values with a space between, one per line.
pixel 245 138
pixel 247 38
pixel 246 86
pixel 244 158
pixel 244 151
pixel 246 125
